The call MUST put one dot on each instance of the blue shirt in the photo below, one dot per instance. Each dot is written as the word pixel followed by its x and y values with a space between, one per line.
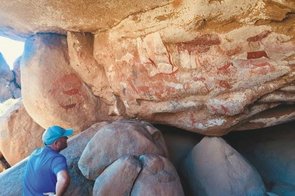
pixel 42 167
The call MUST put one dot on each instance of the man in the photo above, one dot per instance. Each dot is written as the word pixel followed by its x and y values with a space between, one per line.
pixel 46 172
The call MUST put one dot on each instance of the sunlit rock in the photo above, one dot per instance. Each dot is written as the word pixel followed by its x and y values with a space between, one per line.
pixel 19 134
pixel 52 91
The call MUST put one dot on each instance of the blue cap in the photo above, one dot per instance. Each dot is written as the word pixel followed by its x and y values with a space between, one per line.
pixel 51 134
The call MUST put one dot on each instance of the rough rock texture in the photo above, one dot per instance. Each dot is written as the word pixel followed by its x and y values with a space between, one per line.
pixel 52 91
pixel 272 152
pixel 268 118
pixel 215 168
pixel 203 66
pixel 79 186
pixel 23 18
pixel 118 178
pixel 20 135
pixel 158 177
pixel 120 138
pixel 206 83
pixel 90 71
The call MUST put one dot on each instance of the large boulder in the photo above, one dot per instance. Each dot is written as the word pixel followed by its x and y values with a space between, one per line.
pixel 158 177
pixel 52 91
pixel 215 168
pixel 272 152
pixel 20 135
pixel 120 138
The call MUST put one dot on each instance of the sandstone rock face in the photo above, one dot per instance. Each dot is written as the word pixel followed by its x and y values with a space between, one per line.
pixel 203 66
pixel 83 62
pixel 20 135
pixel 206 83
pixel 215 168
pixel 120 138
pixel 22 19
pixel 52 92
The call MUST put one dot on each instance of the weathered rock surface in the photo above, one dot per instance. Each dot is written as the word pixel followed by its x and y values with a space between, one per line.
pixel 90 71
pixel 118 178
pixel 158 177
pixel 22 19
pixel 120 138
pixel 154 60
pixel 201 66
pixel 180 83
pixel 277 115
pixel 20 135
pixel 52 91
pixel 215 168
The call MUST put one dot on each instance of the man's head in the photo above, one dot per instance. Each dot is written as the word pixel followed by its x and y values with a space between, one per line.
pixel 56 137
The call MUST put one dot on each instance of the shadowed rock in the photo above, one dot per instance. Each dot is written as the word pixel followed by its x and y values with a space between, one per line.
pixel 215 168
pixel 272 152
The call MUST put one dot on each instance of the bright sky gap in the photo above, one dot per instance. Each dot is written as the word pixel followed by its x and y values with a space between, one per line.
pixel 11 49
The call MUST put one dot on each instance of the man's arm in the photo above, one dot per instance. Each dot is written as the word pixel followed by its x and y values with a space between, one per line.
pixel 63 181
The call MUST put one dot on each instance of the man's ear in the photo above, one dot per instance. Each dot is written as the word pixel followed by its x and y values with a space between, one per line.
pixel 55 142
